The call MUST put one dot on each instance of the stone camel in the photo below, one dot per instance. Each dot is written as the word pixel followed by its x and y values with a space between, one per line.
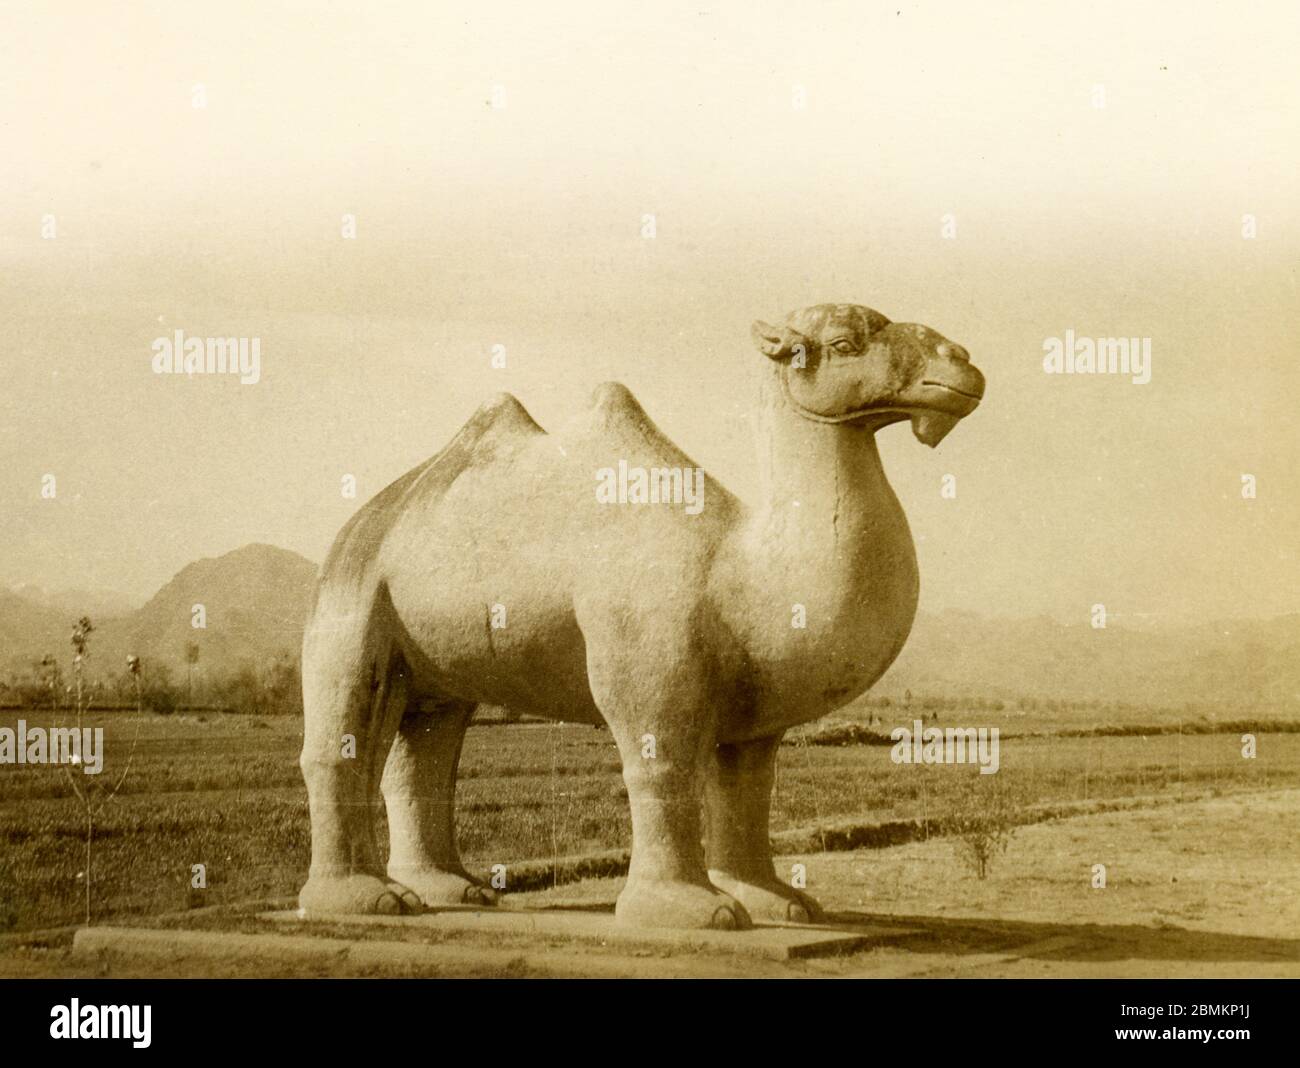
pixel 679 631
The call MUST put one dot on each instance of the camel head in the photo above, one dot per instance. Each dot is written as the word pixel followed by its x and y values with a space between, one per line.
pixel 845 363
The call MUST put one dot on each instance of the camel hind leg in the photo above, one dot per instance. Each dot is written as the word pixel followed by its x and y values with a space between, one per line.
pixel 354 686
pixel 419 785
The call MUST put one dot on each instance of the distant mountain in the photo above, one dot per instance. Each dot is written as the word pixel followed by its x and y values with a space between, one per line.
pixel 1255 662
pixel 255 601
pixel 97 604
pixel 29 629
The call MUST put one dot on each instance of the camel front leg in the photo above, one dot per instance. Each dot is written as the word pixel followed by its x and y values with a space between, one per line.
pixel 738 801
pixel 667 884
pixel 664 728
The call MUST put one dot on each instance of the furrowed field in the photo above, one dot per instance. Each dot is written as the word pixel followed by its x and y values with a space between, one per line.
pixel 547 800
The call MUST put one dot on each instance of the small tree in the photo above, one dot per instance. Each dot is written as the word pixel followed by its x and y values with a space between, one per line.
pixel 92 803
pixel 159 693
pixel 191 658
pixel 981 821
pixel 52 679
pixel 280 683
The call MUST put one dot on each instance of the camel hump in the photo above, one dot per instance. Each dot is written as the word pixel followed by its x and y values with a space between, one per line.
pixel 610 396
pixel 501 413
pixel 615 420
pixel 500 425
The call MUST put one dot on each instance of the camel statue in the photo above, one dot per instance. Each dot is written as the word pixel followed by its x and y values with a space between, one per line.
pixel 495 573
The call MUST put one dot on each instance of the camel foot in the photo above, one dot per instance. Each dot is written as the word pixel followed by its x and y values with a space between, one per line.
pixel 435 887
pixel 669 903
pixel 770 900
pixel 356 895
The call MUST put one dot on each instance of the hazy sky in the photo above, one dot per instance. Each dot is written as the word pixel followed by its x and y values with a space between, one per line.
pixel 521 225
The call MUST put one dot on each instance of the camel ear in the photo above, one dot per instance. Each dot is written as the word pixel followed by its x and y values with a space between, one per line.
pixel 775 342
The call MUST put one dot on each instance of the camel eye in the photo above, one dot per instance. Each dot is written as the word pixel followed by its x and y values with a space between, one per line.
pixel 843 346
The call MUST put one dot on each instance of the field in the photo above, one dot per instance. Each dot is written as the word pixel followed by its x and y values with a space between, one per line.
pixel 547 800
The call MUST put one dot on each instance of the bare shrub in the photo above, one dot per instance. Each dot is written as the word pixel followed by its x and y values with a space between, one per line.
pixel 982 818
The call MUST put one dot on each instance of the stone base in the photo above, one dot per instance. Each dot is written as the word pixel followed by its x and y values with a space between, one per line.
pixel 574 943
pixel 784 942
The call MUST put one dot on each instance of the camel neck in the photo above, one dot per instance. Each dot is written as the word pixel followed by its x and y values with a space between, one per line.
pixel 811 471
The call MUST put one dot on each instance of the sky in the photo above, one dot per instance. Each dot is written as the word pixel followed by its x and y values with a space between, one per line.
pixel 1001 176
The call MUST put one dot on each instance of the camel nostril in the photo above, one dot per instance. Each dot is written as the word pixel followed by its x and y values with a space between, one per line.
pixel 947 348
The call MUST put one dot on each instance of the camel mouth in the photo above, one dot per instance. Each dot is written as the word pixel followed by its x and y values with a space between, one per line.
pixel 946 405
pixel 953 389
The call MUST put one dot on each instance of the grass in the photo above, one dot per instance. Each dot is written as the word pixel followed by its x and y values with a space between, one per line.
pixel 224 791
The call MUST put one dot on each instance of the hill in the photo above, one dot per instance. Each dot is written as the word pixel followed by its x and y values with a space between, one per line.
pixel 1238 662
pixel 254 600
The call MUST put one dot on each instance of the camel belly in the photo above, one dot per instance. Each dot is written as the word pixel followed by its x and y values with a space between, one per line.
pixel 491 643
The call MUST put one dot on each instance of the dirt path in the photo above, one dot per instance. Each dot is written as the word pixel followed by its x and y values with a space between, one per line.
pixel 1208 888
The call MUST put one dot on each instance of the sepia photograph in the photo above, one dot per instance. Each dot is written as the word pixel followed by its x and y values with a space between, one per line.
pixel 650 491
